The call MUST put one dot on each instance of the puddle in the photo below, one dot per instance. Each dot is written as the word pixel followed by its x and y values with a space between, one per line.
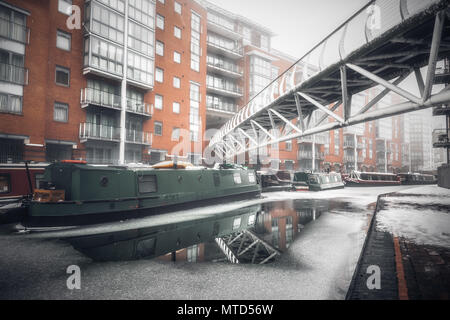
pixel 256 234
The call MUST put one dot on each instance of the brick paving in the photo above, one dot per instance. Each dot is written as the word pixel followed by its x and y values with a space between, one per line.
pixel 417 272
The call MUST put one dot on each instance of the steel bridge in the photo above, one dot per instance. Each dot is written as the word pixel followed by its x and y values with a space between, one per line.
pixel 380 45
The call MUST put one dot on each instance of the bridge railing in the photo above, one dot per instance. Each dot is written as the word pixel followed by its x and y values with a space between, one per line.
pixel 368 23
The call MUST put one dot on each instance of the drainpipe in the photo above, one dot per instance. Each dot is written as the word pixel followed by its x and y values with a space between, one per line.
pixel 356 153
pixel 385 155
pixel 313 167
pixel 123 91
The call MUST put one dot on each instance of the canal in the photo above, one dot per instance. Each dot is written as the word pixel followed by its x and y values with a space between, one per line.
pixel 286 245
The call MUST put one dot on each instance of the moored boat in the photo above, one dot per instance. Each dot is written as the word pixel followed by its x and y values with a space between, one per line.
pixel 371 179
pixel 320 181
pixel 417 178
pixel 77 193
pixel 275 181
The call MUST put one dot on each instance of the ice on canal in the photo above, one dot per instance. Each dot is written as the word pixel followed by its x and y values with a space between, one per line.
pixel 310 243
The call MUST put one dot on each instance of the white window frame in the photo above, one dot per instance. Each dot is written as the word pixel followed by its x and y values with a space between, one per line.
pixel 65 35
pixel 176 82
pixel 176 106
pixel 177 32
pixel 160 19
pixel 176 57
pixel 159 71
pixel 68 7
pixel 177 7
pixel 159 45
pixel 64 106
pixel 159 102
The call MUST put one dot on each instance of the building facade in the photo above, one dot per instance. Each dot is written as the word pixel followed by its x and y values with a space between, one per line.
pixel 140 81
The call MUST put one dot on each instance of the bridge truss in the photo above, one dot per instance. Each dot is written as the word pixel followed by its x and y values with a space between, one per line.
pixel 381 45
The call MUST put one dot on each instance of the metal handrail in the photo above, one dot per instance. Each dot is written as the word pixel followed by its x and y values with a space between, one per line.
pixel 99 131
pixel 101 98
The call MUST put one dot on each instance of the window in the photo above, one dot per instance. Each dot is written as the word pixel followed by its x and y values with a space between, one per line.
pixel 176 57
pixel 162 1
pixel 105 55
pixel 195 42
pixel 140 38
pixel 10 103
pixel 56 152
pixel 5 183
pixel 177 7
pixel 192 253
pixel 158 102
pixel 176 107
pixel 160 21
pixel 160 48
pixel 176 82
pixel 159 75
pixel 288 145
pixel 65 6
pixel 13 25
pixel 176 134
pixel 142 11
pixel 177 32
pixel 194 115
pixel 158 128
pixel 147 184
pixel 62 76
pixel 140 68
pixel 61 112
pixel 237 223
pixel 106 23
pixel 63 40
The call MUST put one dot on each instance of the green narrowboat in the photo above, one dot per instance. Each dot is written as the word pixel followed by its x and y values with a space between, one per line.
pixel 77 193
pixel 317 181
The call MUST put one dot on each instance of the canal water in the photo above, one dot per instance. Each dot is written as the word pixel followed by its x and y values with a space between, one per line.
pixel 256 234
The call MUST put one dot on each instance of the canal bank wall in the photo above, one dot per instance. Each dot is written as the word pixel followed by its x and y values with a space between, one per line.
pixel 406 254
pixel 444 176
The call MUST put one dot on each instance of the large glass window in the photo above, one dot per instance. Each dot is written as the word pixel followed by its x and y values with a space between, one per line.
pixel 105 56
pixel 140 68
pixel 10 103
pixel 65 6
pixel 140 39
pixel 194 115
pixel 142 11
pixel 13 25
pixel 107 23
pixel 195 42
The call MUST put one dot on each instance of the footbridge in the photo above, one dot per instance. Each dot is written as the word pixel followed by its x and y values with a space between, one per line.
pixel 382 44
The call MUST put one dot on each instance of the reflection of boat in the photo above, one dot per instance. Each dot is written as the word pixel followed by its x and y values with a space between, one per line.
pixel 371 179
pixel 158 240
pixel 76 193
pixel 417 178
pixel 317 181
pixel 275 180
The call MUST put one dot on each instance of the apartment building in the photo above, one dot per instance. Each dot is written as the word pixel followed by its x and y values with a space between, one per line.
pixel 121 81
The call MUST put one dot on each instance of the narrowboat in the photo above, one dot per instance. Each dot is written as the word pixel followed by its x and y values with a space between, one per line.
pixel 416 178
pixel 74 193
pixel 317 181
pixel 275 181
pixel 371 179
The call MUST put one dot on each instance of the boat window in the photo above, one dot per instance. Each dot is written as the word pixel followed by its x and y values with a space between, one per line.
pixel 5 183
pixel 237 178
pixel 39 177
pixel 365 177
pixel 237 223
pixel 251 177
pixel 147 184
pixel 313 179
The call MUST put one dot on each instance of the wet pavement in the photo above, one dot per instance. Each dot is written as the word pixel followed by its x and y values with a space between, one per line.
pixel 308 243
pixel 409 241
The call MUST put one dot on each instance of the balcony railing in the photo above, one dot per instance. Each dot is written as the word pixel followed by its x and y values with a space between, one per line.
pixel 349 159
pixel 225 66
pixel 139 107
pixel 13 74
pixel 302 155
pixel 227 107
pixel 234 50
pixel 100 98
pixel 349 144
pixel 99 132
pixel 441 138
pixel 13 31
pixel 226 87
pixel 138 137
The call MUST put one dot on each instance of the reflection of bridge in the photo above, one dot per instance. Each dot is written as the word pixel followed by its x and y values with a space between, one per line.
pixel 381 44
pixel 246 247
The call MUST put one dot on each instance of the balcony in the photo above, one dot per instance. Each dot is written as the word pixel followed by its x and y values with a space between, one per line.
pixel 441 138
pixel 226 69
pixel 381 161
pixel 349 144
pixel 14 31
pixel 140 108
pixel 221 109
pixel 233 91
pixel 360 159
pixel 305 155
pixel 229 52
pixel 218 28
pixel 90 96
pixel 93 131
pixel 138 137
pixel 13 74
pixel 442 110
pixel 348 158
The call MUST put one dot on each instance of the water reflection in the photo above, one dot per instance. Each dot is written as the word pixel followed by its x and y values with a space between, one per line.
pixel 257 234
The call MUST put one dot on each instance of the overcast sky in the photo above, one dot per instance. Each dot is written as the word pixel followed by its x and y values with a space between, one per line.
pixel 298 24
